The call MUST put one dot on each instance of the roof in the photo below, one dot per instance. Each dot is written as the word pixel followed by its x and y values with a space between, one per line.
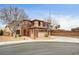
pixel 38 20
pixel 26 20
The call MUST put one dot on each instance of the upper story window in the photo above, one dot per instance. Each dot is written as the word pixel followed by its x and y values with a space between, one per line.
pixel 36 23
pixel 44 24
pixel 39 23
pixel 18 25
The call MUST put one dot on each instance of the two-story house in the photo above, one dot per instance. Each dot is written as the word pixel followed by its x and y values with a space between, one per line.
pixel 30 28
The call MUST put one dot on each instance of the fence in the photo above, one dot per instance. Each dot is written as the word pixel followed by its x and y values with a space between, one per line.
pixel 64 33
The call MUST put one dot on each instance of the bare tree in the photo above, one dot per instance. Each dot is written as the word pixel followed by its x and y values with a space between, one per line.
pixel 12 16
pixel 52 24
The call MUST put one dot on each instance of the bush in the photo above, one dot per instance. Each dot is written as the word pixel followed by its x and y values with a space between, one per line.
pixel 46 35
pixel 1 32
pixel 17 35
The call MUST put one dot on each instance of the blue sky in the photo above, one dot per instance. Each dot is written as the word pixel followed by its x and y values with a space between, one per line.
pixel 35 10
pixel 63 13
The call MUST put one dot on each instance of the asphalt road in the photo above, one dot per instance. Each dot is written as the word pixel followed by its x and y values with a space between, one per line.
pixel 41 48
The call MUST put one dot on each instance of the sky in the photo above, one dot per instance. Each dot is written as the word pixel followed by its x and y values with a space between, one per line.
pixel 67 15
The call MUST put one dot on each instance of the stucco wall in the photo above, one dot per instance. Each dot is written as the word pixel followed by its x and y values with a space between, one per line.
pixel 65 33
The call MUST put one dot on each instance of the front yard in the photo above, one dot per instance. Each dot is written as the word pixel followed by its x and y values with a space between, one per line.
pixel 9 38
pixel 54 38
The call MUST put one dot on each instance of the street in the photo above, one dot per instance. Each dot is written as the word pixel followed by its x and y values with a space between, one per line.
pixel 40 48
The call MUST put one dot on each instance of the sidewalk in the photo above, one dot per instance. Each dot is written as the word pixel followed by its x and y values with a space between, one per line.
pixel 65 39
pixel 51 39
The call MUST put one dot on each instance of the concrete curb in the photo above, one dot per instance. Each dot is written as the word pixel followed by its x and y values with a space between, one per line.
pixel 56 39
pixel 13 42
pixel 25 41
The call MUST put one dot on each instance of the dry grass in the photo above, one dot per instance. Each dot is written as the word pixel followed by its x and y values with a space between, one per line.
pixel 45 38
pixel 9 38
pixel 5 38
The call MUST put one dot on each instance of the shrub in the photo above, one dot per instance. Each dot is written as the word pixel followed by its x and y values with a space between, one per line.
pixel 46 35
pixel 17 35
pixel 1 32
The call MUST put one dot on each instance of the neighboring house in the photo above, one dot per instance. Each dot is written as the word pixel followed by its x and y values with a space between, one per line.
pixel 7 31
pixel 62 32
pixel 75 29
pixel 35 28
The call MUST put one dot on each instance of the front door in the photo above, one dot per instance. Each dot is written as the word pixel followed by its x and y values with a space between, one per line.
pixel 24 32
pixel 28 34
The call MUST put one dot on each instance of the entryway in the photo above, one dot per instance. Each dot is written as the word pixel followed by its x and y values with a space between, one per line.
pixel 26 32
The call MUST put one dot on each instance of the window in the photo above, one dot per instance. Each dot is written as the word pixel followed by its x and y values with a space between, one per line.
pixel 17 24
pixel 43 24
pixel 39 23
pixel 18 32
